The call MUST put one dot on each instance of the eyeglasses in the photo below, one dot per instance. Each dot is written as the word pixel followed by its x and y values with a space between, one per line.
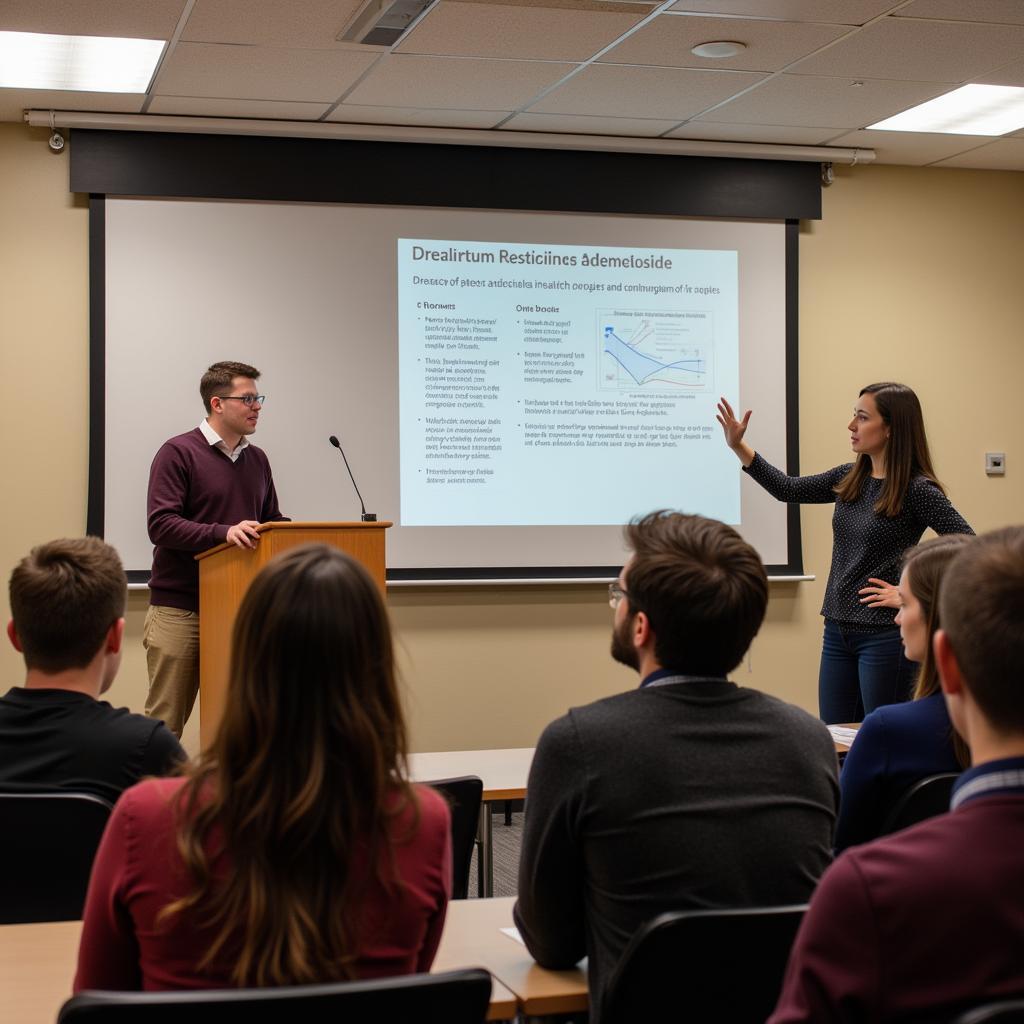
pixel 616 592
pixel 244 399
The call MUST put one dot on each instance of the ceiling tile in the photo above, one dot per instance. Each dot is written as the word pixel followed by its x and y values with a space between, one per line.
pixel 1001 155
pixel 154 19
pixel 618 90
pixel 913 149
pixel 402 80
pixel 808 102
pixel 352 113
pixel 194 106
pixel 1005 12
pixel 771 45
pixel 835 12
pixel 312 24
pixel 581 124
pixel 259 72
pixel 770 133
pixel 528 33
pixel 921 51
pixel 1008 74
pixel 14 102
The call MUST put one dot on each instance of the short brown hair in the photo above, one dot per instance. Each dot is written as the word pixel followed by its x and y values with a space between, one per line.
pixel 982 607
pixel 217 379
pixel 702 587
pixel 65 595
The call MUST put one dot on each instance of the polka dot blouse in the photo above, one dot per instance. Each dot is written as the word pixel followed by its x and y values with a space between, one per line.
pixel 864 543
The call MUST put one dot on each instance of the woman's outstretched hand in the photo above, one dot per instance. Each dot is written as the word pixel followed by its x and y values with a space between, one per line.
pixel 734 431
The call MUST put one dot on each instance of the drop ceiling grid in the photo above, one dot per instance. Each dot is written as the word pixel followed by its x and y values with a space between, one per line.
pixel 354 113
pixel 13 102
pixel 834 12
pixel 403 80
pixel 998 12
pixel 208 106
pixel 311 24
pixel 918 51
pixel 525 33
pixel 802 101
pixel 259 72
pixel 914 149
pixel 620 90
pixel 588 124
pixel 771 45
pixel 773 134
pixel 154 19
pixel 1000 154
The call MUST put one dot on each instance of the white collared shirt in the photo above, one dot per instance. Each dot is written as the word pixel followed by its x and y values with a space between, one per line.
pixel 216 441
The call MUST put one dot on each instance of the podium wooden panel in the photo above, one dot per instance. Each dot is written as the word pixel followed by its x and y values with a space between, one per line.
pixel 225 573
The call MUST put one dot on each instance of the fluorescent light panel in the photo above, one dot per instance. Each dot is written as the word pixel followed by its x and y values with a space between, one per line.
pixel 32 60
pixel 969 110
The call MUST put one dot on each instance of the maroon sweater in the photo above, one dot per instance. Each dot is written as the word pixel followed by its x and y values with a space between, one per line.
pixel 196 494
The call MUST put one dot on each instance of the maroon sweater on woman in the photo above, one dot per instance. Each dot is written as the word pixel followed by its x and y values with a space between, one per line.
pixel 196 494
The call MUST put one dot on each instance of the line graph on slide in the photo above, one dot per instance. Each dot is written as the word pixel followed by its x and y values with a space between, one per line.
pixel 660 351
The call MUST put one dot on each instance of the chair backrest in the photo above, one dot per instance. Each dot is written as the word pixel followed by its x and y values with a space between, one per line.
pixel 457 997
pixel 464 795
pixel 925 799
pixel 723 965
pixel 1009 1012
pixel 50 839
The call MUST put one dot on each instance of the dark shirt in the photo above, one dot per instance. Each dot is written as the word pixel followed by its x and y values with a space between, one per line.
pixel 923 924
pixel 895 747
pixel 865 544
pixel 60 739
pixel 690 795
pixel 196 494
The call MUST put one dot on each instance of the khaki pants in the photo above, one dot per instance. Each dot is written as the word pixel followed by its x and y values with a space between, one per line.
pixel 171 639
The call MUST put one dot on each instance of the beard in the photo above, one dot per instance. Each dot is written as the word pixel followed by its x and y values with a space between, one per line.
pixel 623 650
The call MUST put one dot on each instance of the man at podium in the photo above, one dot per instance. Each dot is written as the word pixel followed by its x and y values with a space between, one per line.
pixel 207 486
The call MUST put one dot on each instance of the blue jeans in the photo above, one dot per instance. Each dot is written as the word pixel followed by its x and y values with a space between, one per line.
pixel 860 672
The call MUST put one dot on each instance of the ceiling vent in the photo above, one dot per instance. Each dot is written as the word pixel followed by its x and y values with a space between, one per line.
pixel 383 22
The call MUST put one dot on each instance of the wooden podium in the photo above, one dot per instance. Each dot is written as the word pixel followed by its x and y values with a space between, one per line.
pixel 225 573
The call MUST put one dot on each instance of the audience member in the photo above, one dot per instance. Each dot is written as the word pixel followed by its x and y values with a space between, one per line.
pixel 898 744
pixel 689 792
pixel 296 850
pixel 925 923
pixel 67 620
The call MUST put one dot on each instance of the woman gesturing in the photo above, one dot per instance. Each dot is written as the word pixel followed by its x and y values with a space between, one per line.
pixel 884 501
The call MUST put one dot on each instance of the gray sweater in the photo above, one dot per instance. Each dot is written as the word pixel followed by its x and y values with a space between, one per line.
pixel 684 796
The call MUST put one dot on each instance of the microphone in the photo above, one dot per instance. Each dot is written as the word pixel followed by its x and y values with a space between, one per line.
pixel 366 517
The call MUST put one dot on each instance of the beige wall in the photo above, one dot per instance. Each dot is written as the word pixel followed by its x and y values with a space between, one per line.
pixel 912 274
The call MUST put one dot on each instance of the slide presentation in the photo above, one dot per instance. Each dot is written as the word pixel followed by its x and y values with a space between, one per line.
pixel 510 388
pixel 553 384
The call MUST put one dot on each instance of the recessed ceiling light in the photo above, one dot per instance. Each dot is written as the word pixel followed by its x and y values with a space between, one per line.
pixel 969 110
pixel 32 60
pixel 718 50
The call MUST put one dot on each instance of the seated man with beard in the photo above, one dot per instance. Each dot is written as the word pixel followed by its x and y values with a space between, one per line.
pixel 689 792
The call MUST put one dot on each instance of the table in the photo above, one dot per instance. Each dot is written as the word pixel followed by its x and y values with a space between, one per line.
pixel 37 961
pixel 473 938
pixel 503 773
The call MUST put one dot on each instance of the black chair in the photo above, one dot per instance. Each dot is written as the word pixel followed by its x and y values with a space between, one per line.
pixel 1009 1012
pixel 464 795
pixel 924 799
pixel 50 839
pixel 721 965
pixel 457 997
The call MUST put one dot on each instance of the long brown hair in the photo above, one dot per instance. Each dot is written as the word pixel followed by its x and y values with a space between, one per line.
pixel 306 771
pixel 906 454
pixel 925 566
